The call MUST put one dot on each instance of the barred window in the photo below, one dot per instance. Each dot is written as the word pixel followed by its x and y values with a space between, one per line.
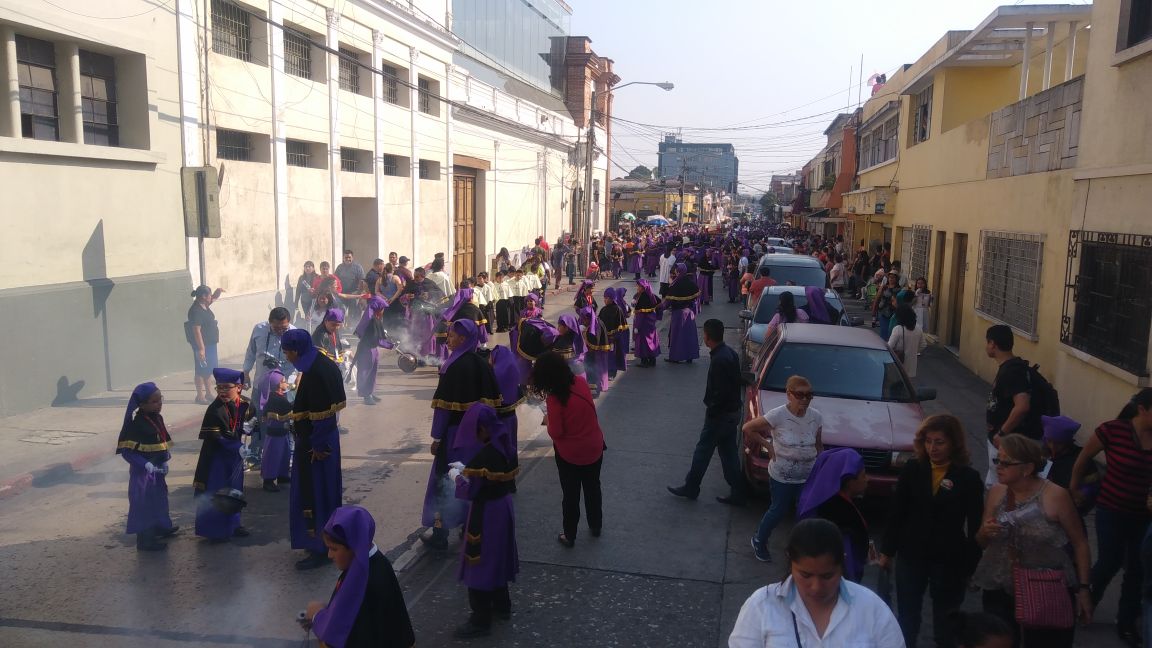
pixel 428 90
pixel 355 160
pixel 349 71
pixel 231 30
pixel 297 55
pixel 429 170
pixel 391 84
pixel 298 154
pixel 233 145
pixel 1108 298
pixel 36 73
pixel 389 165
pixel 1008 287
pixel 98 99
pixel 918 260
pixel 922 115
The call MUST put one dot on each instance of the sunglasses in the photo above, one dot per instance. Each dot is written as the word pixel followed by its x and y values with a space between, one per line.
pixel 802 395
pixel 997 461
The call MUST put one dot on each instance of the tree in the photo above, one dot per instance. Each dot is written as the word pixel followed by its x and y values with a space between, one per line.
pixel 767 202
pixel 640 173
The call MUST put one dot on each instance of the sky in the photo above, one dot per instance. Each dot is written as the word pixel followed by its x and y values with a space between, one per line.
pixel 776 71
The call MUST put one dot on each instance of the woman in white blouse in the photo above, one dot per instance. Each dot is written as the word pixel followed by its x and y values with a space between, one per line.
pixel 815 606
pixel 907 339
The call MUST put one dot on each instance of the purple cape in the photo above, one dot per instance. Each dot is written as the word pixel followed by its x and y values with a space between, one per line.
pixel 824 482
pixel 354 528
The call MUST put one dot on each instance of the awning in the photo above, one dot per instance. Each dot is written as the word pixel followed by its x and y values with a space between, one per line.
pixel 822 213
pixel 833 219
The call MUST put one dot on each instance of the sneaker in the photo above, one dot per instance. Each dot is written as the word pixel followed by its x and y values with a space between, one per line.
pixel 761 551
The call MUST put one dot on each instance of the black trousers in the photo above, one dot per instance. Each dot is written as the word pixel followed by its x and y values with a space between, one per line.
pixel 486 602
pixel 490 315
pixel 1003 605
pixel 518 304
pixel 663 289
pixel 573 480
pixel 944 582
pixel 503 314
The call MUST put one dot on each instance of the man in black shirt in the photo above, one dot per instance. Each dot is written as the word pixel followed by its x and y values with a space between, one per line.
pixel 1010 400
pixel 721 420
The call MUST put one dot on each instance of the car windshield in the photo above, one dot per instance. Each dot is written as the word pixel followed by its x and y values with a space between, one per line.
pixel 840 372
pixel 770 301
pixel 789 275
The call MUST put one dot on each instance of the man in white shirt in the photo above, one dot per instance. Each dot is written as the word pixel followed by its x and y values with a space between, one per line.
pixel 519 286
pixel 793 434
pixel 502 291
pixel 441 278
pixel 486 299
pixel 667 262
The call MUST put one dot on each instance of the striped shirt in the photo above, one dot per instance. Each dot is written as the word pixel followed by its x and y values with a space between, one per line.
pixel 1127 481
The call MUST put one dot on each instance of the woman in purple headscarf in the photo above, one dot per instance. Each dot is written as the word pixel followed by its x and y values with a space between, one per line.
pixel 275 460
pixel 143 443
pixel 615 324
pixel 569 343
pixel 371 333
pixel 732 276
pixel 648 313
pixel 220 465
pixel 680 302
pixel 818 309
pixel 584 296
pixel 464 307
pixel 599 357
pixel 506 366
pixel 367 607
pixel 837 478
pixel 465 379
pixel 489 559
pixel 623 339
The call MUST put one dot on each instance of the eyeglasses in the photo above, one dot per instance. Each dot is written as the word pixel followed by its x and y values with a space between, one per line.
pixel 997 461
pixel 226 386
pixel 802 395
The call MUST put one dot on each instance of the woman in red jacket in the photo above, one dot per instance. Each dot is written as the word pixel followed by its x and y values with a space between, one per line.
pixel 577 439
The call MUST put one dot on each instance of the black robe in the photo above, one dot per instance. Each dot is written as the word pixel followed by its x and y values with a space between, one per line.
pixel 220 421
pixel 383 620
pixel 612 316
pixel 468 380
pixel 601 341
pixel 683 293
pixel 470 311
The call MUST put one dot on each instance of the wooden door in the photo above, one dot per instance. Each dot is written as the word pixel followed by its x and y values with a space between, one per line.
pixel 959 270
pixel 464 224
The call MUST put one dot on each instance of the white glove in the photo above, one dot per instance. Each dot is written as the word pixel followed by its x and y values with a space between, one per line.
pixel 459 465
pixel 149 467
pixel 249 425
pixel 454 473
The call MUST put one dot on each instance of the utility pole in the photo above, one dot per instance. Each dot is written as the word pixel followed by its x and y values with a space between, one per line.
pixel 586 222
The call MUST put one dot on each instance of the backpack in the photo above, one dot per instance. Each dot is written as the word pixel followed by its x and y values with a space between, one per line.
pixel 1045 400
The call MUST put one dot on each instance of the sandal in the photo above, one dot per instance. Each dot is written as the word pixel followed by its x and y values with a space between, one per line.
pixel 563 539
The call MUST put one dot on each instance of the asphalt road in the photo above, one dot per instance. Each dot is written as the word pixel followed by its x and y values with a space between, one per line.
pixel 666 572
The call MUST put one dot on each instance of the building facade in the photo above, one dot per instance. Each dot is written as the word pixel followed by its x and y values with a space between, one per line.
pixel 711 165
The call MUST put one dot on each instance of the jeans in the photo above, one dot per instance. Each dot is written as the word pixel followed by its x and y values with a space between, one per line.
pixel 573 480
pixel 784 498
pixel 720 434
pixel 945 584
pixel 1119 537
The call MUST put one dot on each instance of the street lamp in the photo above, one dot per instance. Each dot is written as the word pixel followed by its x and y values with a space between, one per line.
pixel 586 226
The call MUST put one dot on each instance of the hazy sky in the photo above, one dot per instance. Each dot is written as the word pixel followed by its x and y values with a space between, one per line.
pixel 783 65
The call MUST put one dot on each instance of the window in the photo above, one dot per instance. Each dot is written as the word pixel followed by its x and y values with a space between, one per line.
pixel 1008 287
pixel 840 372
pixel 428 91
pixel 355 160
pixel 922 115
pixel 917 262
pixel 429 170
pixel 349 71
pixel 1135 23
pixel 298 153
pixel 878 145
pixel 389 165
pixel 36 71
pixel 233 145
pixel 1108 298
pixel 297 55
pixel 98 99
pixel 391 84
pixel 231 30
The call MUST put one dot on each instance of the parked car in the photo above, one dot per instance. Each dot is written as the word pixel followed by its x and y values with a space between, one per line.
pixel 786 269
pixel 865 398
pixel 756 322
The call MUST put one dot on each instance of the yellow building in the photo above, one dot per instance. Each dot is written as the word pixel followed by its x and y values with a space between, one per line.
pixel 650 201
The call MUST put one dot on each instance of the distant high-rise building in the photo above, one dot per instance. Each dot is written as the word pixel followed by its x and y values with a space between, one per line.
pixel 713 165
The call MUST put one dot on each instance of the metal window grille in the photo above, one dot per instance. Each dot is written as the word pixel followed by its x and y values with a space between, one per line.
pixel 349 71
pixel 391 84
pixel 98 99
pixel 233 145
pixel 297 55
pixel 297 152
pixel 921 244
pixel 425 87
pixel 428 170
pixel 348 160
pixel 1008 287
pixel 36 73
pixel 1108 297
pixel 922 116
pixel 389 165
pixel 231 30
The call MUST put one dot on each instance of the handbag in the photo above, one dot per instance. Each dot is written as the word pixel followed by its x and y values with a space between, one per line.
pixel 1040 595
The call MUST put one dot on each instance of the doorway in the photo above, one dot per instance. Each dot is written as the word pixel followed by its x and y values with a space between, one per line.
pixel 959 272
pixel 463 223
pixel 932 325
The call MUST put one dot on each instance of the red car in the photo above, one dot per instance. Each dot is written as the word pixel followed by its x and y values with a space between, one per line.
pixel 862 393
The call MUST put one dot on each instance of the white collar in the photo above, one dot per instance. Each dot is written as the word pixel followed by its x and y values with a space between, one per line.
pixel 374 550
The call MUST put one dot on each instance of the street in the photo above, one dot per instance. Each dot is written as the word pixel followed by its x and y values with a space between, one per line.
pixel 666 572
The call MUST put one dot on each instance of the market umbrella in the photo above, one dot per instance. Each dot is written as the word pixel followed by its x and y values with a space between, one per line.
pixel 657 220
pixel 628 216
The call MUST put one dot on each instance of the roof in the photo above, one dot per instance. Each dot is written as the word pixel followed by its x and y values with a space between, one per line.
pixel 999 40
pixel 860 338
pixel 790 260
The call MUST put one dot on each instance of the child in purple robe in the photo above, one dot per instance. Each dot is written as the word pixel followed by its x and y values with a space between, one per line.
pixel 645 335
pixel 220 466
pixel 489 559
pixel 600 357
pixel 143 443
pixel 276 421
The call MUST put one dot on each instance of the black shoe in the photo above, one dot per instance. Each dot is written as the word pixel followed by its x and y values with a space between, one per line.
pixel 471 630
pixel 682 491
pixel 1130 635
pixel 167 533
pixel 241 532
pixel 433 542
pixel 731 500
pixel 313 561
pixel 566 541
pixel 270 486
pixel 596 532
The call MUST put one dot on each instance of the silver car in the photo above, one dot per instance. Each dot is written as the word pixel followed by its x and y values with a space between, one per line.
pixel 756 323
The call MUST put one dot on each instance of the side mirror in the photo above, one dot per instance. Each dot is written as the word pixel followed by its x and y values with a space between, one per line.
pixel 925 394
pixel 750 379
pixel 745 314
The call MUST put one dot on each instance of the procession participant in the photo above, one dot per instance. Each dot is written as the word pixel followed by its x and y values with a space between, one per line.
pixel 317 486
pixel 275 420
pixel 644 334
pixel 326 337
pixel 667 263
pixel 599 357
pixel 143 443
pixel 464 379
pixel 531 337
pixel 569 343
pixel 486 299
pixel 534 278
pixel 531 311
pixel 423 298
pixel 506 367
pixel 502 293
pixel 838 478
pixel 624 337
pixel 220 465
pixel 584 297
pixel 680 301
pixel 464 307
pixel 489 559
pixel 707 272
pixel 612 317
pixel 439 277
pixel 367 607
pixel 370 332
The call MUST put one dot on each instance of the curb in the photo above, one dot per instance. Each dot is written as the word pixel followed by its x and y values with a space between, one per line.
pixel 17 485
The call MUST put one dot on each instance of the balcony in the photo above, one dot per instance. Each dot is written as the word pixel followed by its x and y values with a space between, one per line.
pixel 1039 134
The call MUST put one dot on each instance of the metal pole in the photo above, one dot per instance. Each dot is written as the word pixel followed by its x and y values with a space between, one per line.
pixel 586 222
